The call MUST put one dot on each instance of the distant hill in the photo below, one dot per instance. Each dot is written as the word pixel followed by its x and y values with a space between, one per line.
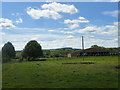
pixel 18 51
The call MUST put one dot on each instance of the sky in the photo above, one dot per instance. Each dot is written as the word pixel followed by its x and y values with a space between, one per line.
pixel 59 24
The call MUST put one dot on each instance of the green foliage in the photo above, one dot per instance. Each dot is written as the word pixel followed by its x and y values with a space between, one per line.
pixel 8 52
pixel 55 54
pixel 46 53
pixel 32 50
pixel 58 52
pixel 96 46
pixel 18 54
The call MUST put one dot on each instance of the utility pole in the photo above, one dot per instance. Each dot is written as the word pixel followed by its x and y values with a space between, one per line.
pixel 83 47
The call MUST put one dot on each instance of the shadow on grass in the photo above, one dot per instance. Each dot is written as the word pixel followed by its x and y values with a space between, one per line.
pixel 80 63
pixel 117 67
pixel 38 60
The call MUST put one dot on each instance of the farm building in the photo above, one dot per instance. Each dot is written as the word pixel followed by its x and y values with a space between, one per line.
pixel 92 52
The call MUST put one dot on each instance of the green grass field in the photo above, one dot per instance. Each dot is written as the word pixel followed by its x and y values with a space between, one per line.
pixel 53 74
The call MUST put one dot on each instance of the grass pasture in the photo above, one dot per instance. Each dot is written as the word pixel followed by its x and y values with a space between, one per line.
pixel 53 74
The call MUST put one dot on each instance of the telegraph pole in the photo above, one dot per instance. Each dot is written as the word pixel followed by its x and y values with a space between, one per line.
pixel 83 47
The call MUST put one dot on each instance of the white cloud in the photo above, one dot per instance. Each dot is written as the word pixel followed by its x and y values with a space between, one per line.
pixel 111 13
pixel 49 1
pixel 30 29
pixel 62 1
pixel 51 30
pixel 67 32
pixel 116 23
pixel 73 26
pixel 2 33
pixel 88 29
pixel 97 0
pixel 51 10
pixel 20 20
pixel 6 23
pixel 70 37
pixel 16 14
pixel 111 29
pixel 26 37
pixel 114 0
pixel 57 7
pixel 102 0
pixel 101 42
pixel 106 30
pixel 37 13
pixel 61 31
pixel 79 20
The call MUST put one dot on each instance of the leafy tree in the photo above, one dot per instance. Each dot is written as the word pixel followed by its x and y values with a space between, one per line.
pixel 96 46
pixel 55 54
pixel 46 53
pixel 8 52
pixel 32 50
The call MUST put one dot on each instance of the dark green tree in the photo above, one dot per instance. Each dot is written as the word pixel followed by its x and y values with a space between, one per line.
pixel 8 52
pixel 32 50
pixel 96 46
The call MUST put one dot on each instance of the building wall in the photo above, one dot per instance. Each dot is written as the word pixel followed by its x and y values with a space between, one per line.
pixel 69 56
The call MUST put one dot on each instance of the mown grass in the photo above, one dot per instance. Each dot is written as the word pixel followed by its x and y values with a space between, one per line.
pixel 53 74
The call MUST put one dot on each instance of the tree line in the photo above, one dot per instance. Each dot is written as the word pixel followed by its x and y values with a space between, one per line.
pixel 31 51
